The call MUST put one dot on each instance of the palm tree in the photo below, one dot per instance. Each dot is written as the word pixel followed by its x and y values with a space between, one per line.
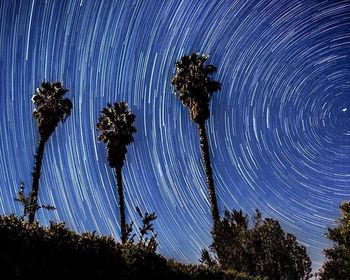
pixel 116 130
pixel 194 87
pixel 51 108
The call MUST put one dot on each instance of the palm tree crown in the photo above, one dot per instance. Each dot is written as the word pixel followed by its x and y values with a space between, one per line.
pixel 194 85
pixel 116 130
pixel 51 107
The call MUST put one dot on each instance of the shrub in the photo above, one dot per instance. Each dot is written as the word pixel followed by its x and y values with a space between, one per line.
pixel 262 250
pixel 55 252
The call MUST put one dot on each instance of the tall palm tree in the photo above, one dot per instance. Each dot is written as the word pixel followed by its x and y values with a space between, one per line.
pixel 116 130
pixel 51 108
pixel 194 87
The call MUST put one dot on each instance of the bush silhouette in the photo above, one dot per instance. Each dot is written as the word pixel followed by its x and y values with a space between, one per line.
pixel 30 251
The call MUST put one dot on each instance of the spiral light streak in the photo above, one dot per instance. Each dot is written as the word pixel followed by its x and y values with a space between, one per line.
pixel 279 129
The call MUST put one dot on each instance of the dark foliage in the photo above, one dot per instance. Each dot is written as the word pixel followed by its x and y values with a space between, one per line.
pixel 29 251
pixel 116 129
pixel 146 234
pixel 200 272
pixel 25 201
pixel 148 238
pixel 194 85
pixel 51 107
pixel 337 265
pixel 263 249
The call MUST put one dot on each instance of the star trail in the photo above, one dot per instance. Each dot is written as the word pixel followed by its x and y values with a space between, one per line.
pixel 279 129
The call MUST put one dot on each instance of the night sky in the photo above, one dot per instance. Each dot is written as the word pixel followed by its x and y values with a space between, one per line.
pixel 279 129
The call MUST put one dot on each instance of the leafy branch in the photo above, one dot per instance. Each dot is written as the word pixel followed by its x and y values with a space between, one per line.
pixel 25 200
pixel 147 235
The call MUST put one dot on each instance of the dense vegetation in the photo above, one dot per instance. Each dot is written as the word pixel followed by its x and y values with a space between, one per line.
pixel 337 265
pixel 262 249
pixel 29 250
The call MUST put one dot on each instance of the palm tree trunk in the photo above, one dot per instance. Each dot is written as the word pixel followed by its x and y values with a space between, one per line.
pixel 33 202
pixel 121 203
pixel 208 172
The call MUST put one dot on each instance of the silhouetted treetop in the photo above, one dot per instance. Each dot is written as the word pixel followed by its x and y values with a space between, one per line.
pixel 194 85
pixel 51 107
pixel 116 129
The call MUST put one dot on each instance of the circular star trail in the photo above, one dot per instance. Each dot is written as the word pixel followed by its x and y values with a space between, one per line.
pixel 279 129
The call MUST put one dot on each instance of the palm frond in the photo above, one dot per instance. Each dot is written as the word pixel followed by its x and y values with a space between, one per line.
pixel 116 129
pixel 194 85
pixel 50 106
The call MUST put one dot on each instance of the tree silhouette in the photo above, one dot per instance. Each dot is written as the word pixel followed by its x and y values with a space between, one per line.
pixel 116 130
pixel 261 250
pixel 194 87
pixel 337 265
pixel 51 108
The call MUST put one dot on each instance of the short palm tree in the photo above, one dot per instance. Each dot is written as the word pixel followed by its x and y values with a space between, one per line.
pixel 194 87
pixel 51 108
pixel 116 130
